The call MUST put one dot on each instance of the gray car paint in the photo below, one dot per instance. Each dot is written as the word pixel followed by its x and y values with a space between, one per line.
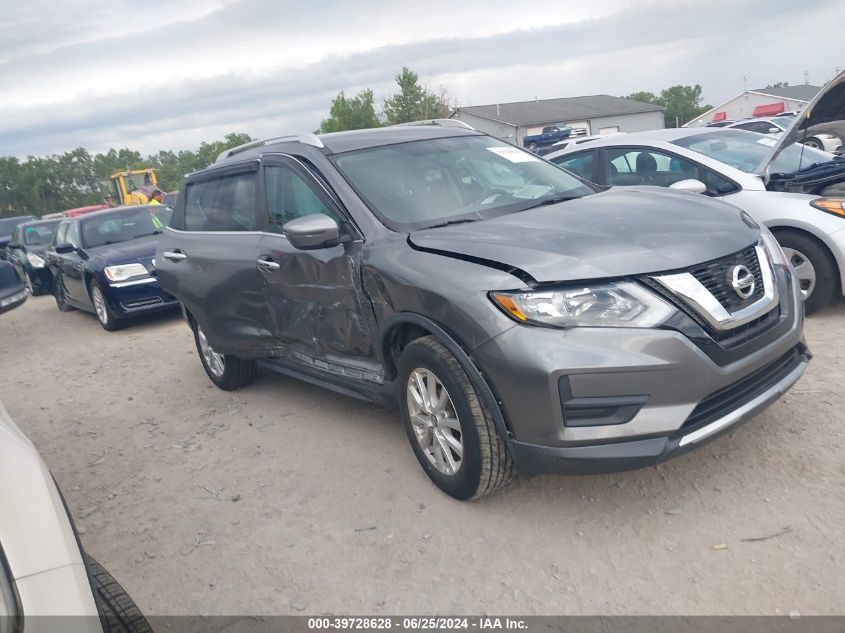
pixel 350 305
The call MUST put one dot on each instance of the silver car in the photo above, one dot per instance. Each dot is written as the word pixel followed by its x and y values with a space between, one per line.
pixel 795 190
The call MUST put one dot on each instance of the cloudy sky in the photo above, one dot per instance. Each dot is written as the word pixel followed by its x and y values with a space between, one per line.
pixel 157 74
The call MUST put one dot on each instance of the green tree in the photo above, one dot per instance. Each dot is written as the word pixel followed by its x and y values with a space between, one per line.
pixel 414 102
pixel 680 103
pixel 351 113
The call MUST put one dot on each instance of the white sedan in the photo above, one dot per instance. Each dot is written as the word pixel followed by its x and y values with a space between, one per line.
pixel 796 191
pixel 780 124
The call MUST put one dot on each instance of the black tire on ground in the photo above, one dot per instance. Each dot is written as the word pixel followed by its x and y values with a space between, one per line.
pixel 237 372
pixel 814 143
pixel 109 323
pixel 486 464
pixel 118 613
pixel 59 294
pixel 827 276
pixel 532 147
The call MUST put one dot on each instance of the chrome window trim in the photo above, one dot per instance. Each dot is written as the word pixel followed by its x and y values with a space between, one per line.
pixel 686 286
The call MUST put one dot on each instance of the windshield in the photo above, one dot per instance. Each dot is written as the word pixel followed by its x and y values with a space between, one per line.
pixel 749 151
pixel 38 234
pixel 783 121
pixel 427 183
pixel 111 228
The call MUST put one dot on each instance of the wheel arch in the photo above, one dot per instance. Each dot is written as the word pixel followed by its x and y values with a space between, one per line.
pixel 822 239
pixel 403 328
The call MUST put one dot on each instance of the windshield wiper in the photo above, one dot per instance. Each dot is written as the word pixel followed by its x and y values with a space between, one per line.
pixel 547 201
pixel 451 222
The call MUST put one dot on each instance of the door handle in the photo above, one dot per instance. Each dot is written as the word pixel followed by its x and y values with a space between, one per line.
pixel 174 256
pixel 267 264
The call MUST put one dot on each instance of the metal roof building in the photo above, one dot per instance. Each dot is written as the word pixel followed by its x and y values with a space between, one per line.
pixel 759 102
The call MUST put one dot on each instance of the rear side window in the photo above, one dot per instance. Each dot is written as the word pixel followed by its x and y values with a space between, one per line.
pixel 222 204
pixel 581 164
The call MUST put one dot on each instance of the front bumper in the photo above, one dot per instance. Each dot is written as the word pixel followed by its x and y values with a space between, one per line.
pixel 128 299
pixel 589 400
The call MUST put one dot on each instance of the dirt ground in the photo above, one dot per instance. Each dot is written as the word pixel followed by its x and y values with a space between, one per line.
pixel 285 498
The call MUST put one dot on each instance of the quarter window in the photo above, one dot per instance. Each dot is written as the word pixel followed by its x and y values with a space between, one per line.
pixel 581 164
pixel 222 204
pixel 289 196
pixel 73 234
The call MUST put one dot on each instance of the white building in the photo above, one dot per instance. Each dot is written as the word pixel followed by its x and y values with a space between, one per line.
pixel 759 102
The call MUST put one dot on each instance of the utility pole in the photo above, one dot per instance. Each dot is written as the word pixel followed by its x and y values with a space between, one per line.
pixel 744 83
pixel 806 78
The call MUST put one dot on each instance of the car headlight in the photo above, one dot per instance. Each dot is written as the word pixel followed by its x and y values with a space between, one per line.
pixel 773 249
pixel 617 304
pixel 34 260
pixel 124 271
pixel 834 206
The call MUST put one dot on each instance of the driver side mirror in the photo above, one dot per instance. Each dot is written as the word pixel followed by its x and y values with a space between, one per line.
pixel 691 185
pixel 313 231
pixel 61 249
pixel 774 130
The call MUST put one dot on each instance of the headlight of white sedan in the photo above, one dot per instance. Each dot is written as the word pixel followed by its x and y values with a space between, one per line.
pixel 617 304
pixel 35 260
pixel 124 271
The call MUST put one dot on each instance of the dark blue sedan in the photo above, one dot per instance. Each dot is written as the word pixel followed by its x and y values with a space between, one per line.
pixel 103 263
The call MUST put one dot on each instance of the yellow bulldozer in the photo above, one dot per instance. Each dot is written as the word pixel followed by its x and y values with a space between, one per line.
pixel 134 186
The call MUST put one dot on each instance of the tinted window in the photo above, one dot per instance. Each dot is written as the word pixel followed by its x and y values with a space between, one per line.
pixel 761 127
pixel 112 228
pixel 628 166
pixel 289 196
pixel 581 164
pixel 423 183
pixel 222 204
pixel 718 185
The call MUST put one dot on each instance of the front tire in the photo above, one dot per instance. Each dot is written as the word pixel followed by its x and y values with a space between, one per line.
pixel 814 266
pixel 532 147
pixel 451 431
pixel 814 142
pixel 226 371
pixel 118 612
pixel 101 308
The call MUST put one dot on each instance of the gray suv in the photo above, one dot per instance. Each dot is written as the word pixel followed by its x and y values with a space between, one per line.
pixel 518 316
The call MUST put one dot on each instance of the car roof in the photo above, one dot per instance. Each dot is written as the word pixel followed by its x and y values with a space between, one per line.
pixel 39 222
pixel 113 211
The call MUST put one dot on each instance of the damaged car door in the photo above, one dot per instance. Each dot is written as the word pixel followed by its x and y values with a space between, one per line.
pixel 320 314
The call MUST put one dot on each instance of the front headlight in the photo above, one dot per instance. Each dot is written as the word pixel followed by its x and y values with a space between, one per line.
pixel 34 260
pixel 773 249
pixel 835 206
pixel 124 271
pixel 617 304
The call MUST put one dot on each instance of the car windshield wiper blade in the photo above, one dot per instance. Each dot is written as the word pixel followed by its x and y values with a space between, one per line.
pixel 451 222
pixel 542 202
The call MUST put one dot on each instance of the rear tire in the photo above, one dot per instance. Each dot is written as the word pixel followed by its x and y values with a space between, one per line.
pixel 59 295
pixel 226 371
pixel 118 613
pixel 532 147
pixel 814 266
pixel 485 461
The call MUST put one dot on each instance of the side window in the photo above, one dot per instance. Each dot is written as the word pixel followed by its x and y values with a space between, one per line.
pixel 762 127
pixel 17 236
pixel 222 204
pixel 718 185
pixel 61 234
pixel 647 167
pixel 581 164
pixel 73 234
pixel 289 196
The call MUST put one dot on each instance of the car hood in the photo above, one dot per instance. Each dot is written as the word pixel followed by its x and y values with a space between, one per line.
pixel 828 106
pixel 621 232
pixel 140 250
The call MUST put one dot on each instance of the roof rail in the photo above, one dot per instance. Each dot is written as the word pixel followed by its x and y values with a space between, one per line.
pixel 439 123
pixel 305 137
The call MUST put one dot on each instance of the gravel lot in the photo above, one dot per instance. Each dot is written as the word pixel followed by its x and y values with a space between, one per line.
pixel 284 498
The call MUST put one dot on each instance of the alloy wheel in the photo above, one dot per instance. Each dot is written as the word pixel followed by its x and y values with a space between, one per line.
pixel 100 305
pixel 434 420
pixel 804 269
pixel 215 362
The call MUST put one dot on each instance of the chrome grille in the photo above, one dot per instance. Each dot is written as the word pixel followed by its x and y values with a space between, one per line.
pixel 716 277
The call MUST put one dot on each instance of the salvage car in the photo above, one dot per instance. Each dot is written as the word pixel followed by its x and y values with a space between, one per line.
pixel 102 262
pixel 27 251
pixel 796 191
pixel 13 292
pixel 779 124
pixel 7 227
pixel 516 315
pixel 44 571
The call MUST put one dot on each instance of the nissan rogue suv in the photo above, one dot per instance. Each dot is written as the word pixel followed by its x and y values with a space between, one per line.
pixel 516 315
